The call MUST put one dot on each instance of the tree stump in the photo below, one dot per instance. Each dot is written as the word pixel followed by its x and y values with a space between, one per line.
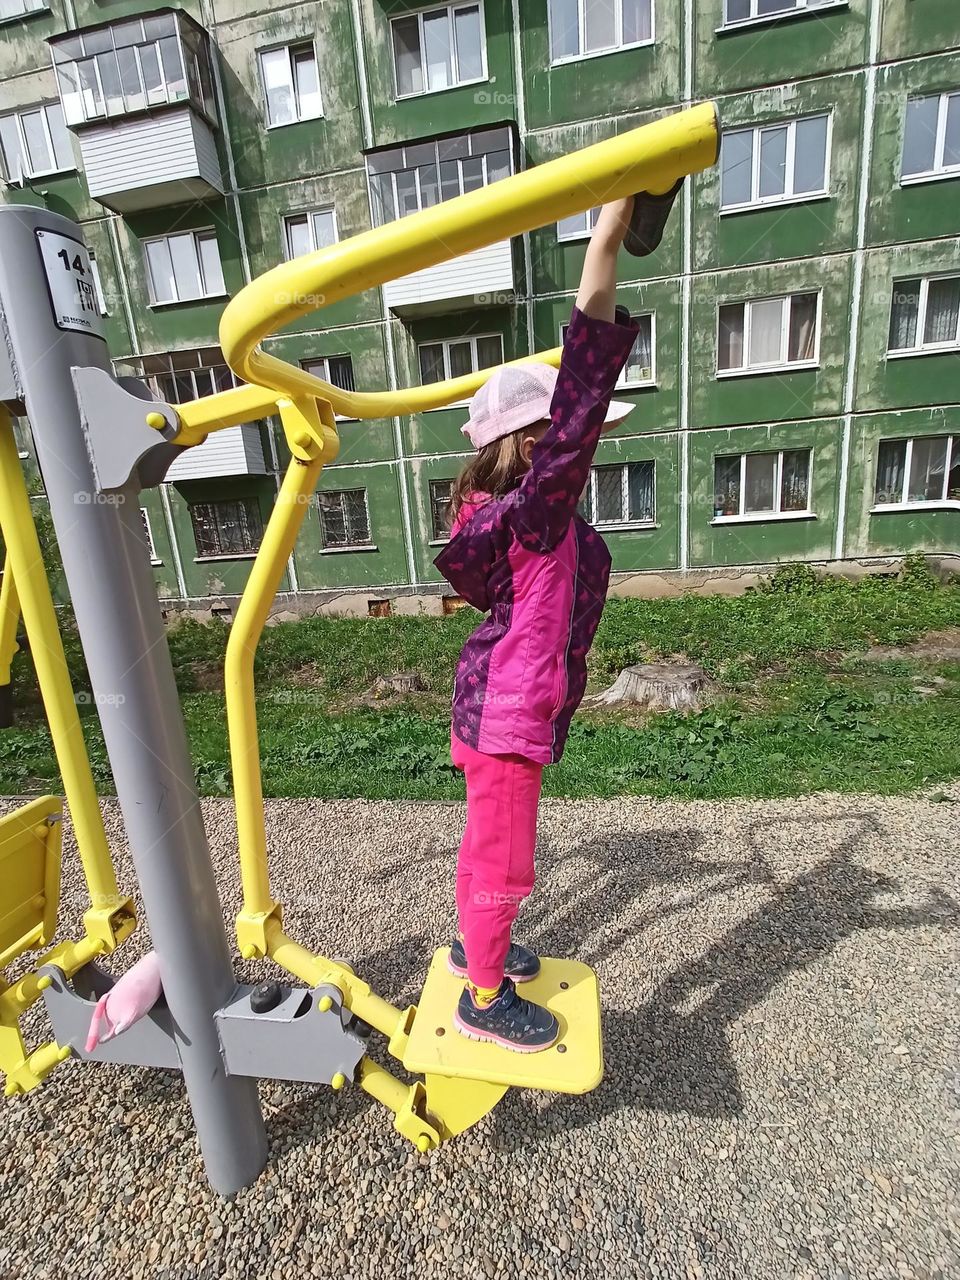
pixel 657 686
pixel 401 684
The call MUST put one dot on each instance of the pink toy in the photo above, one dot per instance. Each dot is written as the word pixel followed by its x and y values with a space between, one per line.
pixel 126 1002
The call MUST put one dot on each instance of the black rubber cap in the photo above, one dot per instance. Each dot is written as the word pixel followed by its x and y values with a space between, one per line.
pixel 265 997
pixel 649 218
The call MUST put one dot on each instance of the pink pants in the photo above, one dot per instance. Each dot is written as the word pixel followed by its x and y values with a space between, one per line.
pixel 495 864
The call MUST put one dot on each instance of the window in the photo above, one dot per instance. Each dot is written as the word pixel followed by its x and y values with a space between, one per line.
pixel 145 517
pixel 230 527
pixel 735 11
pixel 97 283
pixel 344 520
pixel 438 48
pixel 579 28
pixel 178 376
pixel 925 315
pixel 458 356
pixel 34 142
pixel 774 163
pixel 106 71
pixel 440 493
pixel 768 333
pixel 305 232
pixel 578 225
pixel 17 8
pixel 337 370
pixel 291 84
pixel 748 484
pixel 924 469
pixel 621 494
pixel 931 137
pixel 640 369
pixel 406 179
pixel 183 267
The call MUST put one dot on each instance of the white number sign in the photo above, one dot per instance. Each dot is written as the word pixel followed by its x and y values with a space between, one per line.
pixel 73 295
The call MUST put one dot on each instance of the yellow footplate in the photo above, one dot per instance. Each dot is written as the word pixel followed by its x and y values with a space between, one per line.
pixel 573 1065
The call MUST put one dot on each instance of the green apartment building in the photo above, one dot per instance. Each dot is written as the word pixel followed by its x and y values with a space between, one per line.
pixel 797 372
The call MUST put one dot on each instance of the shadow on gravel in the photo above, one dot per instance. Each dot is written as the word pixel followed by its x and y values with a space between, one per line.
pixel 672 1054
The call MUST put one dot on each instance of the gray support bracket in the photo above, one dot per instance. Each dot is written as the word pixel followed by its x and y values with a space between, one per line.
pixel 293 1039
pixel 113 415
pixel 148 1043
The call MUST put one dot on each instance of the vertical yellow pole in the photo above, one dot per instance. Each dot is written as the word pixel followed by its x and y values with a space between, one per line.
pixel 25 559
pixel 9 617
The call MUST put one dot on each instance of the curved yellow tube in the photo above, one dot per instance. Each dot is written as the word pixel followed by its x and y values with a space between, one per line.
pixel 651 157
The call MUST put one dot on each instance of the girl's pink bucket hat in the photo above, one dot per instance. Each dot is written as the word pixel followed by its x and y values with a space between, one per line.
pixel 516 396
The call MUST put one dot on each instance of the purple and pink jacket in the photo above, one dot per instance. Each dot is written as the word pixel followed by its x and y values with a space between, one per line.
pixel 538 567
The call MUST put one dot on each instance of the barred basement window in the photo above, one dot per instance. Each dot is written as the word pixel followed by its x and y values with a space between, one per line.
pixel 919 470
pixel 228 527
pixel 35 142
pixel 420 174
pixel 457 357
pixel 931 137
pixel 305 232
pixel 749 10
pixel 768 333
pixel 620 494
pixel 774 163
pixel 579 28
pixel 438 48
pixel 184 267
pixel 291 84
pixel 344 519
pixel 925 314
pixel 762 483
pixel 440 492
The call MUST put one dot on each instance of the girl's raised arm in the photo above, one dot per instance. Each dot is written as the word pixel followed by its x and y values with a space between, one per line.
pixel 598 281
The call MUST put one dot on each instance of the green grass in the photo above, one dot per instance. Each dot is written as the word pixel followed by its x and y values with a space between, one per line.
pixel 796 709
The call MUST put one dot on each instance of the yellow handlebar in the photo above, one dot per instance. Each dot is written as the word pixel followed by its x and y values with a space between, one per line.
pixel 649 158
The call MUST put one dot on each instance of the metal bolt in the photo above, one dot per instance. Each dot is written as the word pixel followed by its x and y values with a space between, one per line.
pixel 441 1031
pixel 44 982
pixel 156 420
pixel 324 1004
pixel 423 1144
pixel 561 1048
pixel 338 1081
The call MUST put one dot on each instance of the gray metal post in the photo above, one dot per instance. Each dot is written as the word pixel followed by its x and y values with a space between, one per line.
pixel 52 325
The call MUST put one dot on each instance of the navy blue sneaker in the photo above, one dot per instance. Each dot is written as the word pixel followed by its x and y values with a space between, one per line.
pixel 508 1020
pixel 520 965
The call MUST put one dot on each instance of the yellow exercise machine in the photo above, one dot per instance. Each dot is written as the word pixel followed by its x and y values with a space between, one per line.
pixel 128 444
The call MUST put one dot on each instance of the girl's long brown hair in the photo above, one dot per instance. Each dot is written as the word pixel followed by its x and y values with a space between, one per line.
pixel 497 469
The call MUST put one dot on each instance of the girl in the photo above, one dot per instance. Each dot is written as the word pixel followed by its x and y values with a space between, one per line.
pixel 519 549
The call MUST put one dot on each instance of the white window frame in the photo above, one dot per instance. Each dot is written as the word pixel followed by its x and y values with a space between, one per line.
pixel 925 504
pixel 27 11
pixel 940 170
pixel 289 49
pixel 325 376
pixel 446 344
pixel 21 176
pixel 97 283
pixel 923 348
pixel 148 529
pixel 599 53
pixel 755 517
pixel 624 468
pixel 197 234
pixel 623 382
pixel 346 548
pixel 758 201
pixel 782 366
pixel 800 8
pixel 450 11
pixel 570 237
pixel 309 214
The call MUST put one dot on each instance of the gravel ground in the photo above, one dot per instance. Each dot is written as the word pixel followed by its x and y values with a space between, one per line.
pixel 779 986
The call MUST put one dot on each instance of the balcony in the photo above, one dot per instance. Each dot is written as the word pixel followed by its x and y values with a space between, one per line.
pixel 417 175
pixel 138 95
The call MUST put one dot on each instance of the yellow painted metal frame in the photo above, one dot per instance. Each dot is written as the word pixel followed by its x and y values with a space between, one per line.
pixel 650 158
pixel 110 918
